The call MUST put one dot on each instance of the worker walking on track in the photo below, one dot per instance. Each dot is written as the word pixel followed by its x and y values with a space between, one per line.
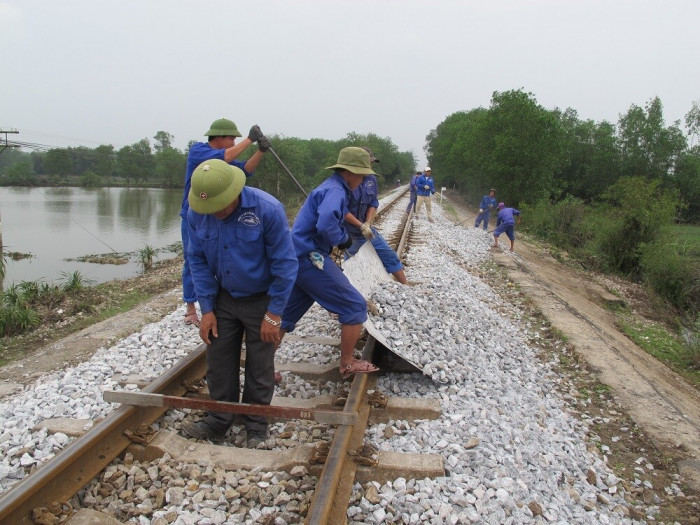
pixel 426 188
pixel 488 202
pixel 413 189
pixel 319 226
pixel 358 221
pixel 221 144
pixel 243 267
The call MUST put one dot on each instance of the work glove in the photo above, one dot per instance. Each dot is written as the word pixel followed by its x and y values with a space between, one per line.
pixel 481 210
pixel 426 187
pixel 264 144
pixel 366 230
pixel 345 244
pixel 255 133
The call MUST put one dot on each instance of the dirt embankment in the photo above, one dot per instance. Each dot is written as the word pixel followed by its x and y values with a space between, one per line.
pixel 659 401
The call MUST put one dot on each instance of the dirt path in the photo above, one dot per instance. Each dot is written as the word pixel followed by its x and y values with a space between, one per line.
pixel 660 401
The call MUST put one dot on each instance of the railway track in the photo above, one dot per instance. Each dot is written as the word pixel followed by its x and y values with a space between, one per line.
pixel 43 496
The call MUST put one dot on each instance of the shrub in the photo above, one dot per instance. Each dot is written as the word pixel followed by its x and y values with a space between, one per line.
pixel 668 269
pixel 637 210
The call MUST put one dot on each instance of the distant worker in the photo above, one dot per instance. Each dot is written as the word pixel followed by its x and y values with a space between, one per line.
pixel 319 226
pixel 426 188
pixel 505 223
pixel 413 189
pixel 243 267
pixel 221 144
pixel 358 221
pixel 488 202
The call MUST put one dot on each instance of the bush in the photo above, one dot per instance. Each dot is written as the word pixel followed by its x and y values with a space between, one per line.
pixel 671 272
pixel 561 224
pixel 637 211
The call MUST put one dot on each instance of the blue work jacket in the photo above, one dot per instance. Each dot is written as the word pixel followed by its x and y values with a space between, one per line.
pixel 199 152
pixel 424 180
pixel 320 223
pixel 362 198
pixel 413 185
pixel 486 200
pixel 505 216
pixel 248 253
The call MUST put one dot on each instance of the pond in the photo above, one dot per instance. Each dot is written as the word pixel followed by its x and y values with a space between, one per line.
pixel 57 225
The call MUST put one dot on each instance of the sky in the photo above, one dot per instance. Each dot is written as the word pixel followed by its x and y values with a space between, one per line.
pixel 91 72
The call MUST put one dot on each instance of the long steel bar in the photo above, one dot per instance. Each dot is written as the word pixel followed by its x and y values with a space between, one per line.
pixel 85 457
pixel 274 154
pixel 330 417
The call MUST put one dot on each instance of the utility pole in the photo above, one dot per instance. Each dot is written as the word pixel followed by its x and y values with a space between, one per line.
pixel 3 147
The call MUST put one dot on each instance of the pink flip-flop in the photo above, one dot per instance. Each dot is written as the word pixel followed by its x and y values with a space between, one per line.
pixel 356 366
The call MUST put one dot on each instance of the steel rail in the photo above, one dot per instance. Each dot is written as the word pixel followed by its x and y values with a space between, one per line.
pixel 63 476
pixel 329 482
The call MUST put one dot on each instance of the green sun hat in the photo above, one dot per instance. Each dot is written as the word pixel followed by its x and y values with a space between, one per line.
pixel 355 160
pixel 214 185
pixel 223 128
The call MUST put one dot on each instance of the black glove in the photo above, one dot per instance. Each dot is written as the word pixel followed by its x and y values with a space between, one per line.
pixel 255 133
pixel 264 144
pixel 346 244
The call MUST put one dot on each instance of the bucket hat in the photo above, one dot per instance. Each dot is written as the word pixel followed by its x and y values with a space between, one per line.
pixel 223 128
pixel 355 160
pixel 501 205
pixel 214 185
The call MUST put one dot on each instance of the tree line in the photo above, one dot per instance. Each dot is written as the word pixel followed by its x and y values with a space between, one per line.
pixel 159 164
pixel 616 196
pixel 532 153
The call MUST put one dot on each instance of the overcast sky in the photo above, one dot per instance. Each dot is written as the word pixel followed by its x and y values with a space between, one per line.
pixel 91 72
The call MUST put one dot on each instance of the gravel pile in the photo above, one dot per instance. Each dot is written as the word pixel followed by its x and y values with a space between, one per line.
pixel 512 452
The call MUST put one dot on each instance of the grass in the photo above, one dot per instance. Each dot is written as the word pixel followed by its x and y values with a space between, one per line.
pixel 690 235
pixel 82 307
pixel 665 346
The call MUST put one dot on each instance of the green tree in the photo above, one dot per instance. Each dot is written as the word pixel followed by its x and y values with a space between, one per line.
pixel 170 167
pixel 20 174
pixel 648 148
pixel 105 161
pixel 163 141
pixel 136 161
pixel 687 181
pixel 593 157
pixel 637 209
pixel 58 162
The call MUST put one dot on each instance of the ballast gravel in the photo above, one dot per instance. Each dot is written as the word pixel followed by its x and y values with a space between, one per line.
pixel 512 452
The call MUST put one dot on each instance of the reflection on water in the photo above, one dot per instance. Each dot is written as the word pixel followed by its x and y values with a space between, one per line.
pixel 54 224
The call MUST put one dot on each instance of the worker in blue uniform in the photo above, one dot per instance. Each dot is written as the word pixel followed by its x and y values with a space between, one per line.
pixel 243 267
pixel 358 221
pixel 488 202
pixel 221 144
pixel 425 190
pixel 505 223
pixel 318 228
pixel 413 192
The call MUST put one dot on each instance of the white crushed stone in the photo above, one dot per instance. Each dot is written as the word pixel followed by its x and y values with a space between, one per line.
pixel 475 360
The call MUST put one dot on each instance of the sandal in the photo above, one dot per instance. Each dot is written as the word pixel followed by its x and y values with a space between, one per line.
pixel 356 366
pixel 192 319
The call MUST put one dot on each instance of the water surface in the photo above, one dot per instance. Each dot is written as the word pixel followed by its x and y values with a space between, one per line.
pixel 55 224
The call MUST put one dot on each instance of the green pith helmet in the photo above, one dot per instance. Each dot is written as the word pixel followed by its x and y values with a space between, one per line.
pixel 214 185
pixel 223 128
pixel 355 160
